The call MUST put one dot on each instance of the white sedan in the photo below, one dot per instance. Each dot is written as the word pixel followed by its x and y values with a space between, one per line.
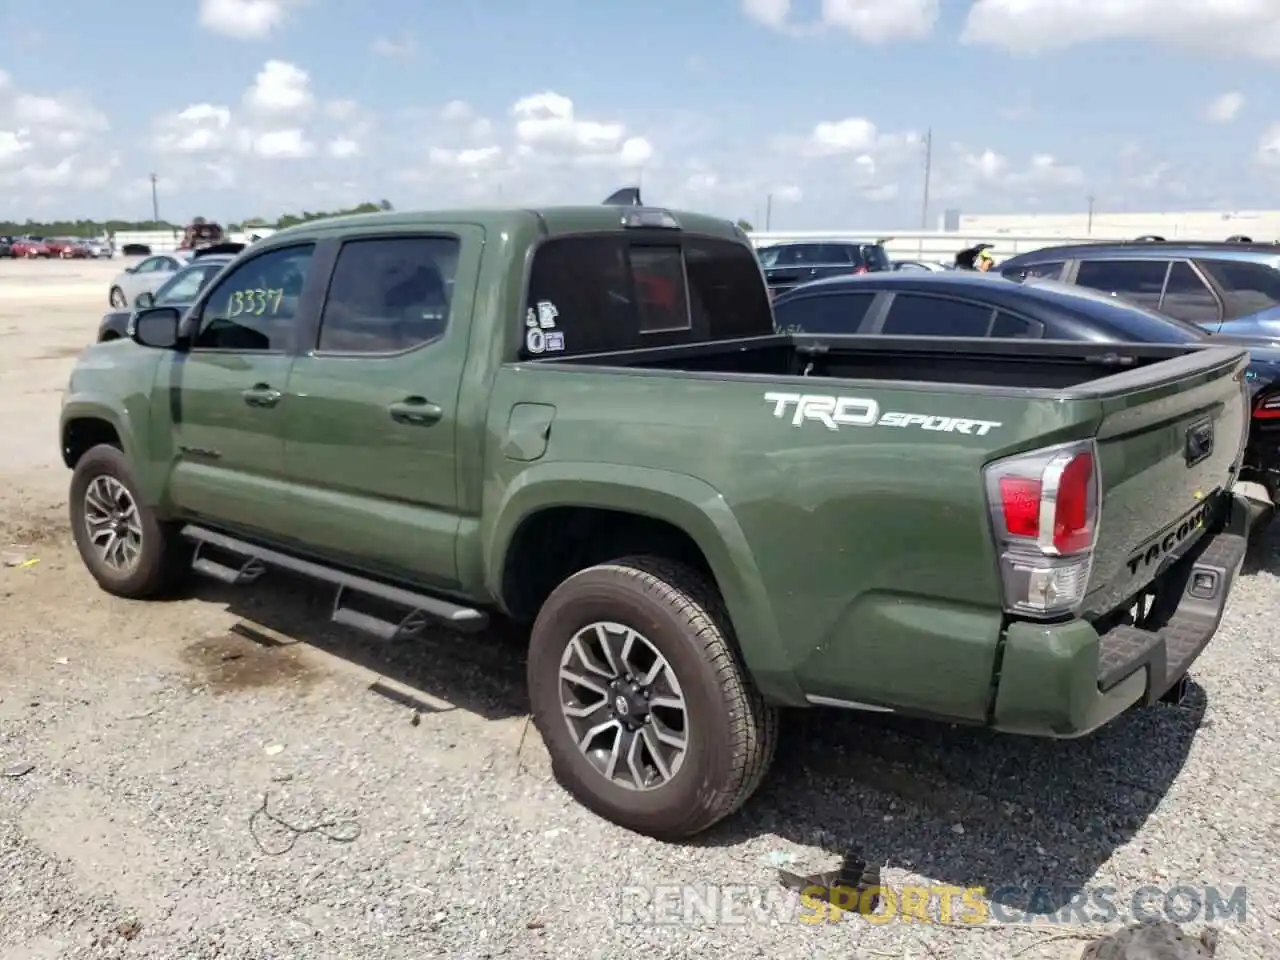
pixel 144 276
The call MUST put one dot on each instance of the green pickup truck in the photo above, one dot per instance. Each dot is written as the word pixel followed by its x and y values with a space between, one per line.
pixel 582 418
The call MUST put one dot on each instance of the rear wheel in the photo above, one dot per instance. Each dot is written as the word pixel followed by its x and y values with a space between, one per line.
pixel 649 718
pixel 117 298
pixel 125 547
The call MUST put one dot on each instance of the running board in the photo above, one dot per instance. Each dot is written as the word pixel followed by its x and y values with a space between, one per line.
pixel 252 561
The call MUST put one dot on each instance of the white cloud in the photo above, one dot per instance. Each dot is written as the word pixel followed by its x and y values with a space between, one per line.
pixel 244 19
pixel 341 109
pixel 49 141
pixel 200 128
pixel 875 21
pixel 459 113
pixel 1233 27
pixel 547 124
pixel 280 88
pixel 1269 146
pixel 343 148
pixel 456 111
pixel 467 159
pixel 1225 108
pixel 13 144
pixel 401 48
pixel 868 21
pixel 769 13
pixel 291 144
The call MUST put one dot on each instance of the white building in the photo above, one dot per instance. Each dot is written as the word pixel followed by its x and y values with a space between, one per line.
pixel 1260 225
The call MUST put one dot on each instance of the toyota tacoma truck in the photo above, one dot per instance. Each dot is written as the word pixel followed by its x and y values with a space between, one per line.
pixel 583 419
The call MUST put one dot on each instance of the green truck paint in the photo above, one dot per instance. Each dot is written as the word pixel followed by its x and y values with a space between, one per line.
pixel 785 521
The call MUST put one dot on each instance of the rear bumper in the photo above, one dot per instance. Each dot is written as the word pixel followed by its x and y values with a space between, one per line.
pixel 1068 679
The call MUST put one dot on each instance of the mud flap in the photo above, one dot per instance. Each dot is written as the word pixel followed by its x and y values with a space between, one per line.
pixel 1258 504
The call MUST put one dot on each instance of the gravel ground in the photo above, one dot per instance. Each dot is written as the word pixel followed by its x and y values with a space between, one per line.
pixel 409 815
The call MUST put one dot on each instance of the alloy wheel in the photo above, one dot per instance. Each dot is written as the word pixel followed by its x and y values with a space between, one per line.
pixel 624 706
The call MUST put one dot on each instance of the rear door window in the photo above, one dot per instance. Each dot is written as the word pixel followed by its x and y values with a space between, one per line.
pixel 601 293
pixel 914 315
pixel 1187 297
pixel 823 313
pixel 1246 287
pixel 388 294
pixel 1138 281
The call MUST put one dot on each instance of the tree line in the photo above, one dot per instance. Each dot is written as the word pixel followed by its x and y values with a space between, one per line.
pixel 98 228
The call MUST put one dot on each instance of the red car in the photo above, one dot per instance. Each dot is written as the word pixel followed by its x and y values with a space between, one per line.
pixel 66 248
pixel 30 249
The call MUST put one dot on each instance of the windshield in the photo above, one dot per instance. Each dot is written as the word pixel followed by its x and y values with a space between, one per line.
pixel 185 285
pixel 768 256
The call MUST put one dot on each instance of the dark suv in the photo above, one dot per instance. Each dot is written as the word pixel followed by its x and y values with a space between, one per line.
pixel 1229 288
pixel 788 265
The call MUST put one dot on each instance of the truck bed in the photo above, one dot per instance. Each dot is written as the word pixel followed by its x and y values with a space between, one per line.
pixel 1030 367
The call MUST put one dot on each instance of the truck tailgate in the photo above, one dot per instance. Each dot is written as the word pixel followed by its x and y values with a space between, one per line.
pixel 1167 450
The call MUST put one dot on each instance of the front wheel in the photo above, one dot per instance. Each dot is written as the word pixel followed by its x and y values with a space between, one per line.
pixel 125 547
pixel 638 693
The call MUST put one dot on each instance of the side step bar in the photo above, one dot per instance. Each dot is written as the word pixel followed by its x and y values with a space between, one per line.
pixel 251 561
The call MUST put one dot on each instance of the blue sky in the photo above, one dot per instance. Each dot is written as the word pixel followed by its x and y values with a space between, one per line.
pixel 249 107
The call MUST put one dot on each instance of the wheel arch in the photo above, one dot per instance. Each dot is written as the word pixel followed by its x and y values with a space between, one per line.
pixel 637 505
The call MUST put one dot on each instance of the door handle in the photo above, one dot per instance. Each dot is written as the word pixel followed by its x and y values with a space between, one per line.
pixel 261 395
pixel 416 412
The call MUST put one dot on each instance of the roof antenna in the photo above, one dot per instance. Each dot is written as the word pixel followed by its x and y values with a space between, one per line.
pixel 626 197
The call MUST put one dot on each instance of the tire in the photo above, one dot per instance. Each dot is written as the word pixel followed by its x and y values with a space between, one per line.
pixel 117 299
pixel 163 558
pixel 732 732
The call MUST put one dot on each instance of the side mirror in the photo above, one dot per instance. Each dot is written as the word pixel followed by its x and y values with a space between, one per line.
pixel 156 327
pixel 133 269
pixel 144 300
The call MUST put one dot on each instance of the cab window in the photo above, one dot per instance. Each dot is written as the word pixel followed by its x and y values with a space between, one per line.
pixel 253 308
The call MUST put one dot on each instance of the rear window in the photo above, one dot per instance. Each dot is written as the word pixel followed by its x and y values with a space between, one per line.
pixel 1121 320
pixel 608 292
pixel 875 257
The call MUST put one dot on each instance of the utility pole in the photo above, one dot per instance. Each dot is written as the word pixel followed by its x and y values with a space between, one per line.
pixel 1088 227
pixel 928 171
pixel 155 201
pixel 768 212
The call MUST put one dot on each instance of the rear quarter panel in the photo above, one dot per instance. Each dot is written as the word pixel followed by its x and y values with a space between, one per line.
pixel 857 560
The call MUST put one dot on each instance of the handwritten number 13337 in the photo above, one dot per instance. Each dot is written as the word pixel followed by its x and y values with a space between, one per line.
pixel 254 302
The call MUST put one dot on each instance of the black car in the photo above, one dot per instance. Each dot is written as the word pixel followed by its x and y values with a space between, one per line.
pixel 180 290
pixel 965 304
pixel 1223 287
pixel 788 264
pixel 6 247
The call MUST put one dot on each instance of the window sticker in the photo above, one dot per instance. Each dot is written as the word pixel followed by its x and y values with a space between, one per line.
pixel 535 340
pixel 547 314
pixel 531 318
pixel 555 341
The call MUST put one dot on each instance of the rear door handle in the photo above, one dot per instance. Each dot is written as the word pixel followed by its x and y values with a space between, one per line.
pixel 416 412
pixel 261 395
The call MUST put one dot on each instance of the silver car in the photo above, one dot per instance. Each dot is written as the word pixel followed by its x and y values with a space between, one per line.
pixel 145 276
pixel 101 249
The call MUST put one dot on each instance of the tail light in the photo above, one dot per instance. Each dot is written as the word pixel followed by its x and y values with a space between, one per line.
pixel 1044 511
pixel 1267 408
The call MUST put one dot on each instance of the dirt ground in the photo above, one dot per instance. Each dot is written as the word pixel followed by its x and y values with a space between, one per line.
pixel 230 775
